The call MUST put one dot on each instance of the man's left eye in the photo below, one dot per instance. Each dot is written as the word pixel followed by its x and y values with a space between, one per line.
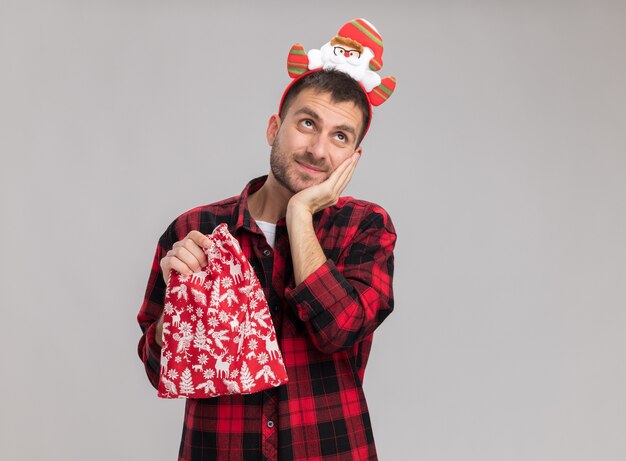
pixel 341 137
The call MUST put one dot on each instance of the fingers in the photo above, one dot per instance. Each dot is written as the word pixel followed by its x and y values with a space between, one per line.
pixel 187 255
pixel 200 239
pixel 347 172
pixel 188 251
pixel 340 178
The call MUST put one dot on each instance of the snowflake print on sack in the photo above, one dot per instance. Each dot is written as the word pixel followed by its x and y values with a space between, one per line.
pixel 262 358
pixel 218 335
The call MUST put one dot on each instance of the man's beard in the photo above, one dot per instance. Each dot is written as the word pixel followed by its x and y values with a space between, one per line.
pixel 280 164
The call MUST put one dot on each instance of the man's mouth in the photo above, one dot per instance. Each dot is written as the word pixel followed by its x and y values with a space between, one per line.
pixel 311 168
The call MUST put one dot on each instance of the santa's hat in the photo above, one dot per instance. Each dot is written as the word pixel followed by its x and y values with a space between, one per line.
pixel 363 32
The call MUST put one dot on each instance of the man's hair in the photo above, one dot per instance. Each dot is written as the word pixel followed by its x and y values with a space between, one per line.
pixel 340 86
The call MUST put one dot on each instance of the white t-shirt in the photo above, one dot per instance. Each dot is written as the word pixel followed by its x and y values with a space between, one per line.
pixel 269 229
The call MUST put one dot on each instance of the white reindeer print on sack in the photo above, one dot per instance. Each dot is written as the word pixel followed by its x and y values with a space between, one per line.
pixel 271 345
pixel 176 319
pixel 234 268
pixel 222 367
pixel 234 323
pixel 198 277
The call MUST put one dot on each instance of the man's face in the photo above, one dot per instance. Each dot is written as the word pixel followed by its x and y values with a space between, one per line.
pixel 314 138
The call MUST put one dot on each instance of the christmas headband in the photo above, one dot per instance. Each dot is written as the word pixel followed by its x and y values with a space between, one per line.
pixel 357 50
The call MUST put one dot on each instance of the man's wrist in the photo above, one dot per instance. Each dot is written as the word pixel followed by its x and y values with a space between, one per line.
pixel 297 212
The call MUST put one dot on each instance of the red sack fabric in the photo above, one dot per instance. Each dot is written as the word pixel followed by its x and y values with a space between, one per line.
pixel 218 335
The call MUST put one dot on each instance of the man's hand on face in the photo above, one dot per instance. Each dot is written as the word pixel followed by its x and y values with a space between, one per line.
pixel 306 253
pixel 320 196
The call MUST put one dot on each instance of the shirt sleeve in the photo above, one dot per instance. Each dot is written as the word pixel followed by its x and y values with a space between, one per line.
pixel 342 302
pixel 150 312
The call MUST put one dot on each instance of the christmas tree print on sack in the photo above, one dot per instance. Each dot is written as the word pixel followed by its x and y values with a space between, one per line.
pixel 218 335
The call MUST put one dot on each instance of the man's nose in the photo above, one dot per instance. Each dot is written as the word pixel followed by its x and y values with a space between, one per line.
pixel 317 146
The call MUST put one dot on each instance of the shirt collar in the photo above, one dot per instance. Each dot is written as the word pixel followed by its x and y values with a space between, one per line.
pixel 242 219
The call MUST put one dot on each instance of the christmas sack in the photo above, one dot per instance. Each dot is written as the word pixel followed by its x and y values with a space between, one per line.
pixel 218 335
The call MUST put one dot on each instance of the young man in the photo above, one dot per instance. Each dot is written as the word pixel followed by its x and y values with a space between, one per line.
pixel 325 263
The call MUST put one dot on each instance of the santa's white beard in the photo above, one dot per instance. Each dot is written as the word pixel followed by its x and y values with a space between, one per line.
pixel 355 67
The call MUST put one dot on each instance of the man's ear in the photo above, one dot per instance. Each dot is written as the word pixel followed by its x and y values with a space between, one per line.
pixel 359 150
pixel 272 128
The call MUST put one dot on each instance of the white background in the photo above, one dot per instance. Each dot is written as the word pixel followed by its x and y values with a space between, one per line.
pixel 501 158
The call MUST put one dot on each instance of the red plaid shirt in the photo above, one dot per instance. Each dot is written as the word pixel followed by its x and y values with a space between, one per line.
pixel 324 327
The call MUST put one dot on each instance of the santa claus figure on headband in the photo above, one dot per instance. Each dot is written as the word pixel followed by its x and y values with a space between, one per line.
pixel 349 56
pixel 357 50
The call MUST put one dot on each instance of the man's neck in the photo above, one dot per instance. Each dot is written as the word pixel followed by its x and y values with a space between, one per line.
pixel 269 203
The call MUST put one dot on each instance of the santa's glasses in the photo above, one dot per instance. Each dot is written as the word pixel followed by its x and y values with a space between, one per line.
pixel 340 51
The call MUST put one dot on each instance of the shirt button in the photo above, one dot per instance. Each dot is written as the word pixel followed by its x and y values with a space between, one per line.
pixel 275 307
pixel 267 252
pixel 270 424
